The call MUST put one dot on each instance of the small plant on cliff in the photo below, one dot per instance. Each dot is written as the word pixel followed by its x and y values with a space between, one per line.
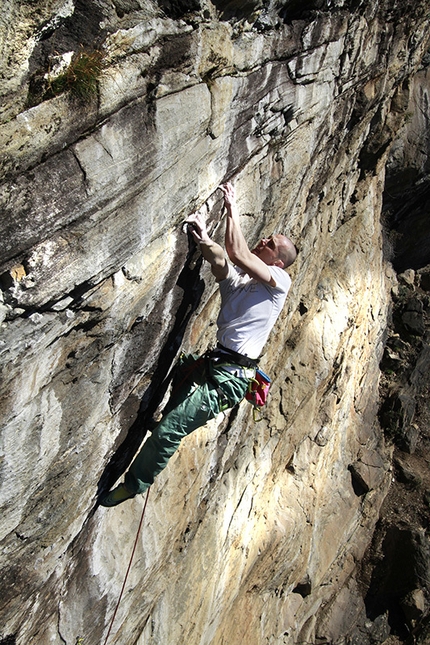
pixel 81 76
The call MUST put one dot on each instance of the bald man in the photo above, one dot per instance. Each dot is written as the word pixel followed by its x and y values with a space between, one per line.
pixel 253 287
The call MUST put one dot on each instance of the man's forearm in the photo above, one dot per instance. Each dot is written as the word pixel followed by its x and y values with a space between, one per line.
pixel 237 247
pixel 212 252
pixel 235 243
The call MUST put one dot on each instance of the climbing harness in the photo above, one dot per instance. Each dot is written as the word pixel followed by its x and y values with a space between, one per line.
pixel 230 361
pixel 128 568
pixel 258 383
pixel 229 355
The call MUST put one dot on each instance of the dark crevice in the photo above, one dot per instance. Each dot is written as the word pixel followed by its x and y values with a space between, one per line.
pixel 406 216
pixel 303 309
pixel 78 161
pixel 231 419
pixel 192 285
pixel 304 588
pixel 177 9
pixel 8 640
pixel 77 297
pixel 358 484
pixel 399 572
pixel 369 157
pixel 84 327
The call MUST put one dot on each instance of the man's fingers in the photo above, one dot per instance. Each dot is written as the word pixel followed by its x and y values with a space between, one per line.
pixel 196 220
pixel 228 190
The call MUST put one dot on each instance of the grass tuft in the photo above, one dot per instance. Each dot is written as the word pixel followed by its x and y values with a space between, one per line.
pixel 80 78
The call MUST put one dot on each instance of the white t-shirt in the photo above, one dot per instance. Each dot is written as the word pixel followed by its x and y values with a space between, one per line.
pixel 249 309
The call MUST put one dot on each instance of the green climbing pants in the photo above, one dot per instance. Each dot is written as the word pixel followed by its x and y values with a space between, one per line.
pixel 200 390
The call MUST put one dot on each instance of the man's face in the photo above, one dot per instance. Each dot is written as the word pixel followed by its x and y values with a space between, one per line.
pixel 268 249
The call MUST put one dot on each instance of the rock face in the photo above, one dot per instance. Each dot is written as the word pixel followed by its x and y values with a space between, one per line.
pixel 395 572
pixel 407 193
pixel 253 532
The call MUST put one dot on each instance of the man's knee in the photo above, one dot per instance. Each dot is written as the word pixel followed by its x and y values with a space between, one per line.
pixel 169 431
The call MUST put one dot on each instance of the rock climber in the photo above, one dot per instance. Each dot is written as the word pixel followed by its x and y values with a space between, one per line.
pixel 253 291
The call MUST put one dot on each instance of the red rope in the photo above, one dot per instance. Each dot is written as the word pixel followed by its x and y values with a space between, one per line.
pixel 128 568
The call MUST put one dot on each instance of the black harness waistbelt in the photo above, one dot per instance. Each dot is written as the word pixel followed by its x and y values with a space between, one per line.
pixel 234 357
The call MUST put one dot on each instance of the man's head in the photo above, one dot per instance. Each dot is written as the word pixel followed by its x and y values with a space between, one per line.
pixel 276 250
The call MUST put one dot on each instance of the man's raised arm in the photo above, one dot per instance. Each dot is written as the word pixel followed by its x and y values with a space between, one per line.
pixel 211 251
pixel 236 245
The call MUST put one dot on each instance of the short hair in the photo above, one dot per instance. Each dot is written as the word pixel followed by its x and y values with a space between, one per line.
pixel 287 252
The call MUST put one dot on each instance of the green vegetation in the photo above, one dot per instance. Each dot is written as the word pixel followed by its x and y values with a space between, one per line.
pixel 80 78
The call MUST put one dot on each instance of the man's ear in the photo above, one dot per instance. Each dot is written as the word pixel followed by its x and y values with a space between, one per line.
pixel 279 263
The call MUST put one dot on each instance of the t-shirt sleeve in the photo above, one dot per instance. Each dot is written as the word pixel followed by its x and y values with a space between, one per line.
pixel 281 277
pixel 231 273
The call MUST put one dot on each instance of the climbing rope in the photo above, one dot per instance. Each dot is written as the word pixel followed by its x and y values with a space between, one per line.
pixel 128 568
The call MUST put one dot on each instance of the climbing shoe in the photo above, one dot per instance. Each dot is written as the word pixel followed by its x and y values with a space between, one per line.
pixel 116 496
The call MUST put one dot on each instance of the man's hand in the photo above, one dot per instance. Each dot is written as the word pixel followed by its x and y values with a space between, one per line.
pixel 211 251
pixel 197 227
pixel 229 194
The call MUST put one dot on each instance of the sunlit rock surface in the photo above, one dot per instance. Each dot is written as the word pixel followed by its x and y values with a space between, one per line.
pixel 253 532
